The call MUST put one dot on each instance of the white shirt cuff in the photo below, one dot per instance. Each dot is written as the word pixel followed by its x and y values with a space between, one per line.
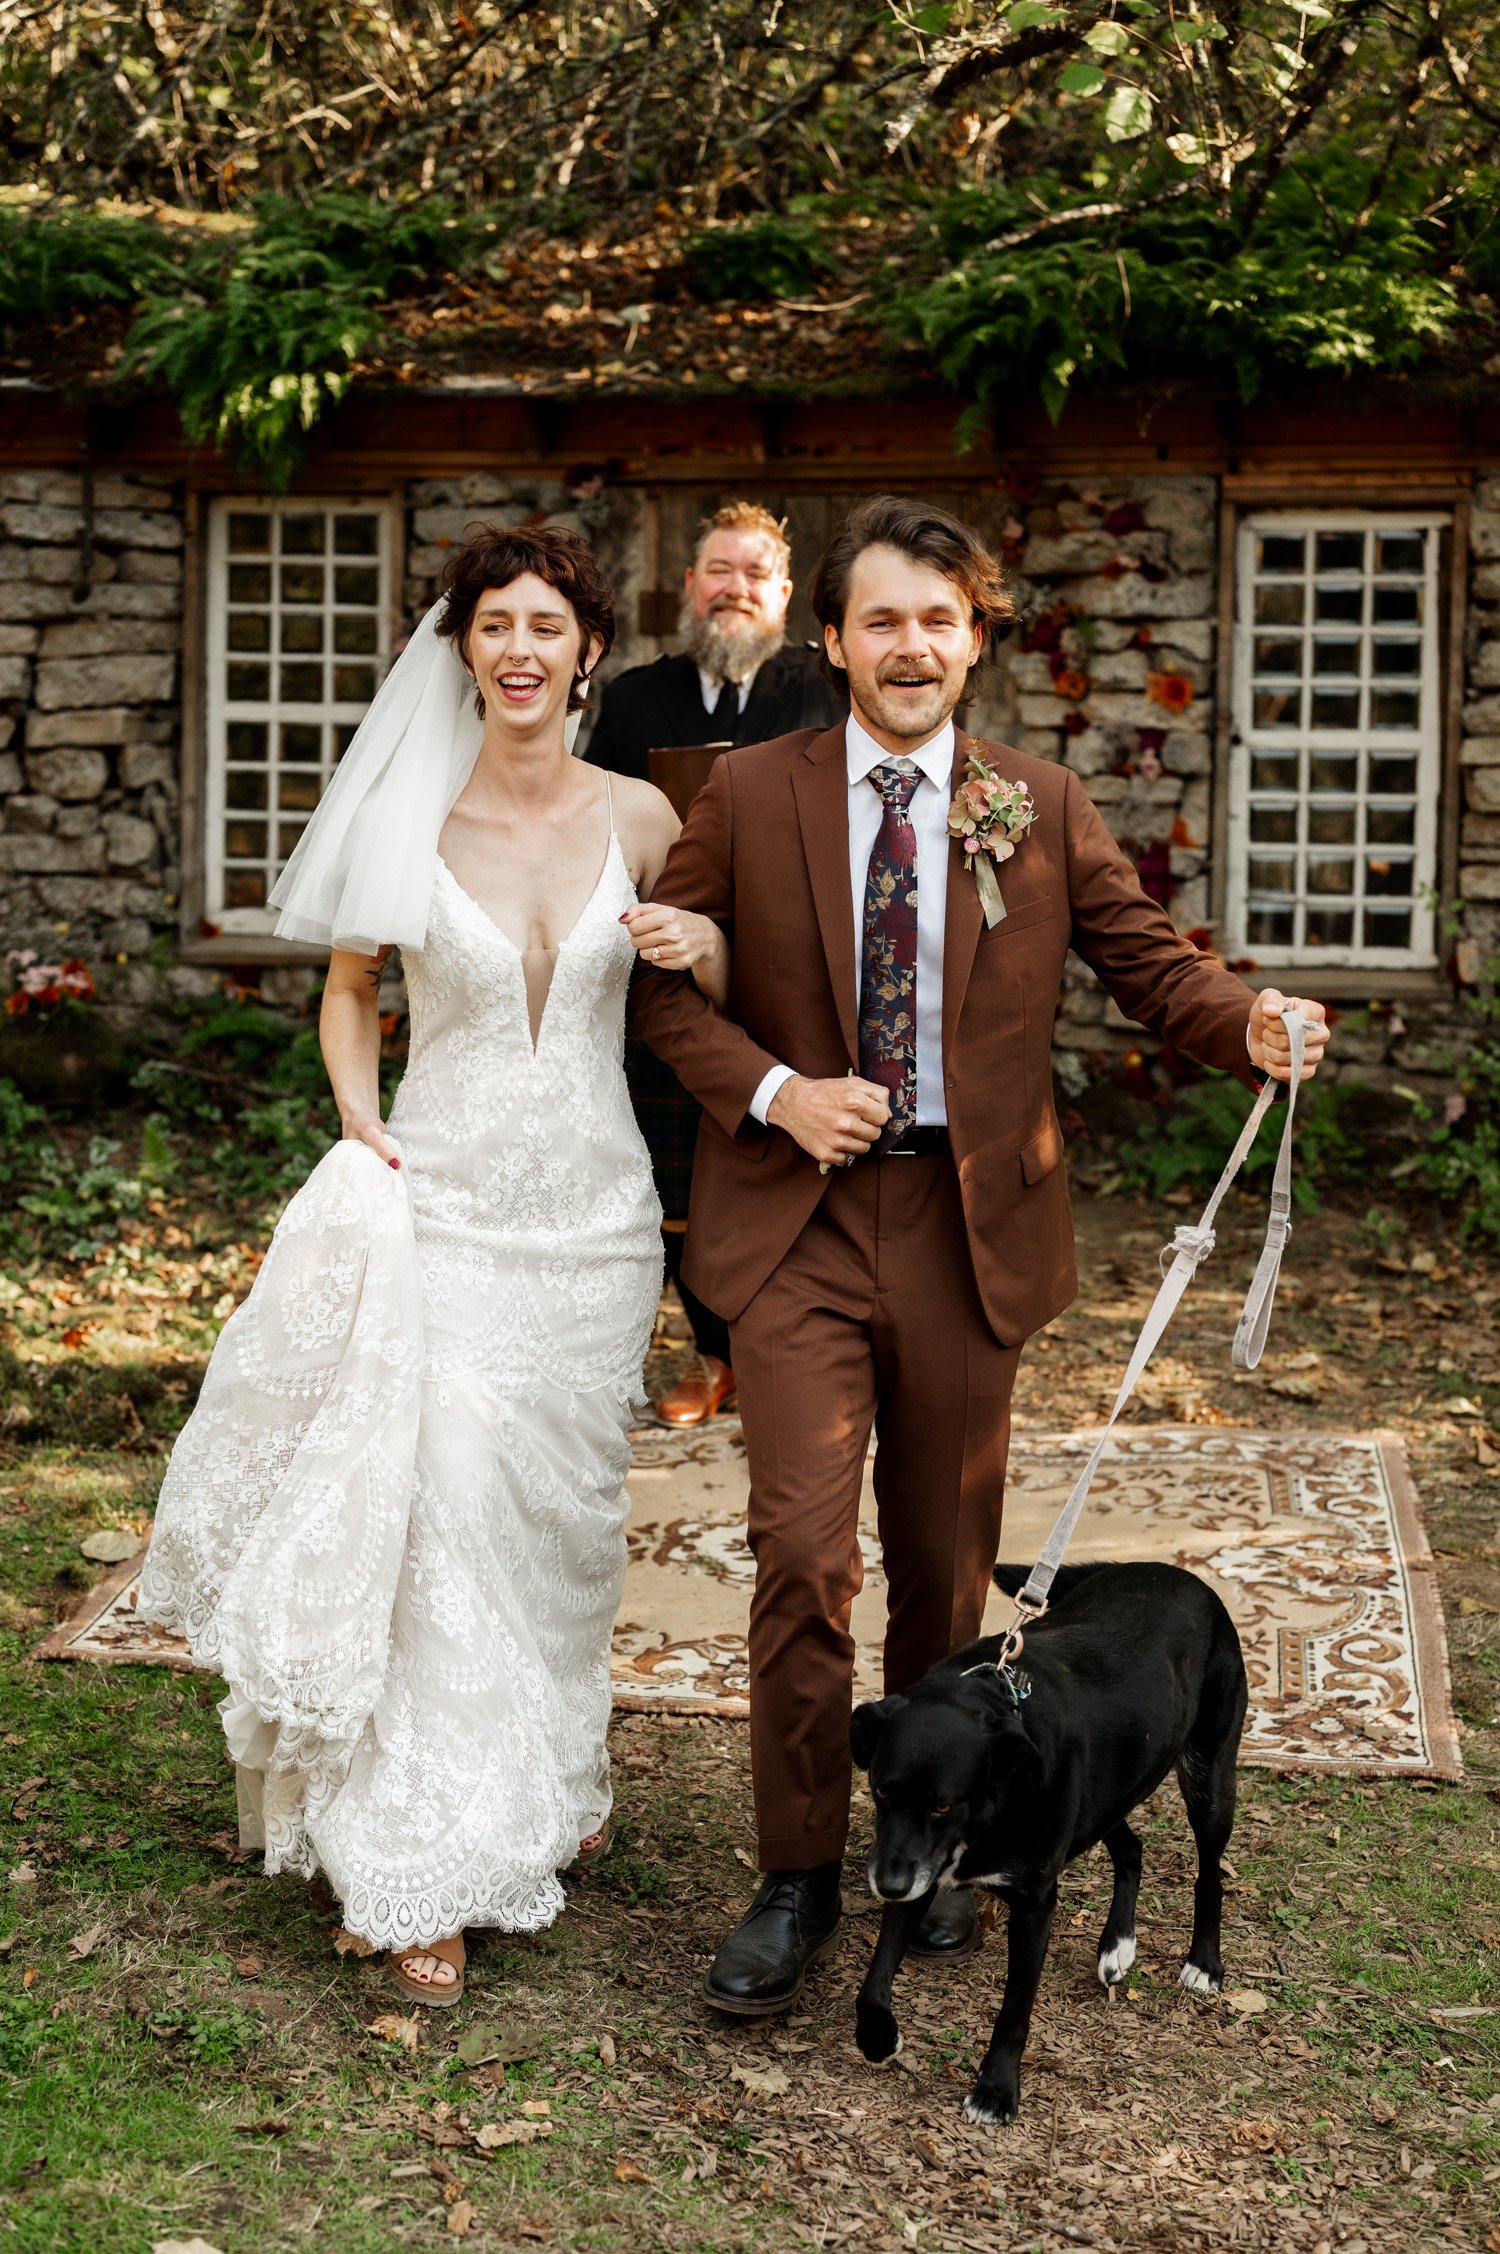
pixel 760 1102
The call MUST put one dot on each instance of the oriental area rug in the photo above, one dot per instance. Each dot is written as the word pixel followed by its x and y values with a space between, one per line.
pixel 1315 1543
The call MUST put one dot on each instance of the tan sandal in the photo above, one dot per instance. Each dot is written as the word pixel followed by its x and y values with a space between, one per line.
pixel 603 1840
pixel 437 1998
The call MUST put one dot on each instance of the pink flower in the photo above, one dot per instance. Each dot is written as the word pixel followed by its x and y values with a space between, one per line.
pixel 1454 1108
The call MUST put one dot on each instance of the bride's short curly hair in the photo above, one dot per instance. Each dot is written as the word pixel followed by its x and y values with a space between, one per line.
pixel 493 555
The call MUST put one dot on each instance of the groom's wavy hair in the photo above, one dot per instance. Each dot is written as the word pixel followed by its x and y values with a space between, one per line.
pixel 494 554
pixel 928 535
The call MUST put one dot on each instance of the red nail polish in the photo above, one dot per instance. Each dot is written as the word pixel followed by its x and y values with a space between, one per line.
pixel 395 1165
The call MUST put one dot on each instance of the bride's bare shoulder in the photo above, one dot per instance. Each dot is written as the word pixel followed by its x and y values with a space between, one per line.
pixel 646 811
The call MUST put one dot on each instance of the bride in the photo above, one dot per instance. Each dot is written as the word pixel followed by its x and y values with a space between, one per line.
pixel 395 1521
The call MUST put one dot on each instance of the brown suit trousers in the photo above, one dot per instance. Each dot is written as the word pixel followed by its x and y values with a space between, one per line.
pixel 899 1291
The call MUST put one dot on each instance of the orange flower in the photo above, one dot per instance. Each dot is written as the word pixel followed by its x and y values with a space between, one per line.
pixel 1170 689
pixel 1072 681
pixel 15 1004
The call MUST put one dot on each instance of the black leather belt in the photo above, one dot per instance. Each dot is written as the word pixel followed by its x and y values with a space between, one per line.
pixel 921 1142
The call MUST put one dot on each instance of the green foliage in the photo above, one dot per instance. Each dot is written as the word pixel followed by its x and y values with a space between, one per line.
pixel 67 1203
pixel 1188 1142
pixel 1459 1161
pixel 74 261
pixel 1310 285
pixel 766 257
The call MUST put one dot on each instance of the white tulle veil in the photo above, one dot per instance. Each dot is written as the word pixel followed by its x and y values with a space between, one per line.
pixel 361 875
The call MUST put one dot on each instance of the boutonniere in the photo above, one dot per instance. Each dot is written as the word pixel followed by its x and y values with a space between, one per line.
pixel 991 816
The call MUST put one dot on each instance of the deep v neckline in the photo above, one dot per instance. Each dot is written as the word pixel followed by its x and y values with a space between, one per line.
pixel 534 1041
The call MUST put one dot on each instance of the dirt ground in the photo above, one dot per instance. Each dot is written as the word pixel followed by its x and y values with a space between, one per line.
pixel 185 2054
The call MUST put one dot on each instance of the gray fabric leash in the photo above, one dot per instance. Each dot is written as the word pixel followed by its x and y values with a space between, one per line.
pixel 1189 1246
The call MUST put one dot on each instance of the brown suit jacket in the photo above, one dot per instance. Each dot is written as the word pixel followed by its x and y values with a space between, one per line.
pixel 765 853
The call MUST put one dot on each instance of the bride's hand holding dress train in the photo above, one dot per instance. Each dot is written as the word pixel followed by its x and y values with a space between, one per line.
pixel 395 1522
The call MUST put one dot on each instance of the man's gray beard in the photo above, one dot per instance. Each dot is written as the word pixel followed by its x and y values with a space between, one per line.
pixel 729 653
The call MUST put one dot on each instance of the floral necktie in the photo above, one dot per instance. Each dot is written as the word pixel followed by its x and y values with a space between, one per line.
pixel 888 970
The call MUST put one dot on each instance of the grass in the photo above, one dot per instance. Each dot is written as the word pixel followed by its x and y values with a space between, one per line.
pixel 184 2054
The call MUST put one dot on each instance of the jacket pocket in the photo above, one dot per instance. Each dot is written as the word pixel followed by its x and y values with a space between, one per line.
pixel 1042 1153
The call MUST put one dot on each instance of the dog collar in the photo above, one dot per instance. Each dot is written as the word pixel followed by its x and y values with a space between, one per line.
pixel 1015 1679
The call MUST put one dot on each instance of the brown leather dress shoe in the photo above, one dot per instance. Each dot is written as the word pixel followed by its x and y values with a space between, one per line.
pixel 707 1388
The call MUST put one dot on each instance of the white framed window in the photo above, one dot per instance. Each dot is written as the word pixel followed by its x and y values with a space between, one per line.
pixel 298 639
pixel 1334 776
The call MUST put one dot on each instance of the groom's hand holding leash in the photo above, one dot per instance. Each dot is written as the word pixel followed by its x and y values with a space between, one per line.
pixel 835 1121
pixel 1270 1049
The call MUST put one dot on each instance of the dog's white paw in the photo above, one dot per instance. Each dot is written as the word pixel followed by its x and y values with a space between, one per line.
pixel 1116 1962
pixel 987 2113
pixel 1197 1981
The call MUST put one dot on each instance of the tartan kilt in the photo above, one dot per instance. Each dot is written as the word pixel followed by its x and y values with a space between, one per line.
pixel 668 1119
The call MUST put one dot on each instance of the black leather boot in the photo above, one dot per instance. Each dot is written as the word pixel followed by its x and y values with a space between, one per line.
pixel 762 1966
pixel 950 1929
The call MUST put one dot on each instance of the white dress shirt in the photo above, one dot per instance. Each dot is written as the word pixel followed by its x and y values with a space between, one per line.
pixel 929 819
pixel 711 689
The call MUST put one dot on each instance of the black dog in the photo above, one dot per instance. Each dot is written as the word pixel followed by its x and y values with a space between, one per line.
pixel 983 1779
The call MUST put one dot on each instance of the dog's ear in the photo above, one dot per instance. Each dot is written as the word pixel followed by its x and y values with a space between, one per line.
pixel 1016 1758
pixel 866 1724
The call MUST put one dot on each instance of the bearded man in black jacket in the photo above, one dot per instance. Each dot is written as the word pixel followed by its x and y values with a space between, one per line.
pixel 736 680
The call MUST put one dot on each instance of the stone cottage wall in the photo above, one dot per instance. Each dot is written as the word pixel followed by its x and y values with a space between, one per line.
pixel 89 717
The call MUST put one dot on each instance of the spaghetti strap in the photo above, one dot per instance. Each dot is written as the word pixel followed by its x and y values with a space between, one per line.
pixel 610 796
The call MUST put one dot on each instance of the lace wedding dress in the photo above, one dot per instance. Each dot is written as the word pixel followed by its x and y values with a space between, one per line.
pixel 395 1520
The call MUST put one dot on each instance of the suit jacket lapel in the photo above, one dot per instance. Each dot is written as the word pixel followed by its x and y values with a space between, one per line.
pixel 821 788
pixel 682 701
pixel 763 705
pixel 964 919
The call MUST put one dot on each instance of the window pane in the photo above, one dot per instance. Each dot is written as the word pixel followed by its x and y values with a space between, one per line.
pixel 1396 606
pixel 1390 778
pixel 1335 656
pixel 352 583
pixel 1273 825
pixel 244 888
pixel 1331 825
pixel 1329 875
pixel 1391 825
pixel 1280 552
pixel 356 536
pixel 301 634
pixel 249 534
pixel 288 835
pixel 1339 606
pixel 245 788
pixel 1385 927
pixel 302 583
pixel 1278 708
pixel 1340 551
pixel 249 630
pixel 1400 551
pixel 1394 708
pixel 249 583
pixel 245 841
pixel 299 790
pixel 302 741
pixel 354 633
pixel 1267 875
pixel 302 684
pixel 1335 708
pixel 1329 927
pixel 1270 771
pixel 1276 606
pixel 353 684
pixel 343 736
pixel 1331 770
pixel 1397 657
pixel 1383 877
pixel 246 739
pixel 248 684
pixel 1272 927
pixel 303 536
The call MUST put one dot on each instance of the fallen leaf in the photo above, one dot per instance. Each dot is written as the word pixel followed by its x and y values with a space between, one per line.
pixel 483 2044
pixel 412 2168
pixel 182 2246
pixel 351 1945
pixel 266 2128
pixel 606 2050
pixel 23 1874
pixel 460 2217
pixel 84 1944
pixel 762 2081
pixel 1295 1388
pixel 8 1942
pixel 626 2172
pixel 1486 1454
pixel 111 1545
pixel 494 2134
pixel 1462 1406
pixel 1306 1360
pixel 1446 2015
pixel 1246 2000
pixel 741 1857
pixel 77 1335
pixel 1470 1605
pixel 392 2028
pixel 537 2108
pixel 28 1976
pixel 249 1965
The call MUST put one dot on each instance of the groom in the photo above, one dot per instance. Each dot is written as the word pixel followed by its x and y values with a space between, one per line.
pixel 883 1166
